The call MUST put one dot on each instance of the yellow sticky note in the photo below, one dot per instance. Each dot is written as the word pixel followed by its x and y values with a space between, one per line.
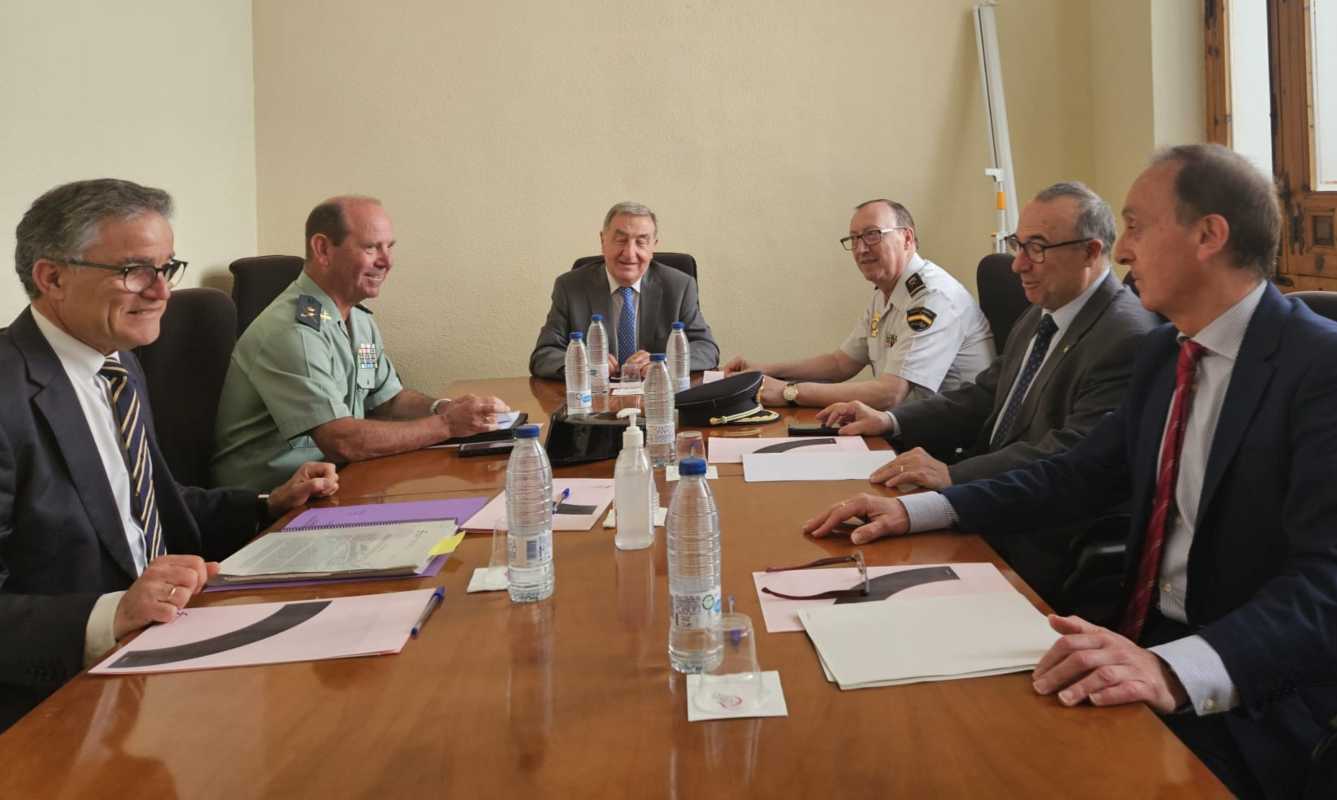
pixel 448 544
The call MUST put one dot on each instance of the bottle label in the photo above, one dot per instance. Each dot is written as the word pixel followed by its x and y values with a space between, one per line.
pixel 579 403
pixel 695 611
pixel 535 550
pixel 659 433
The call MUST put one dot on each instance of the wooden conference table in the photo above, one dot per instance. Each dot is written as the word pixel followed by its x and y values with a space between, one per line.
pixel 574 697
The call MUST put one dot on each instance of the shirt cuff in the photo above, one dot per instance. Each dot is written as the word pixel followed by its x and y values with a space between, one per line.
pixel 100 632
pixel 928 511
pixel 895 429
pixel 1203 673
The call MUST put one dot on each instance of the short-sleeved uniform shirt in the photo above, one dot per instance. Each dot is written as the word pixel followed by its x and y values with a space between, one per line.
pixel 929 331
pixel 297 366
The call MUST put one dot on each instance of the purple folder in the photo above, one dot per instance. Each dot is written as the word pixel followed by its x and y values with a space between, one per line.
pixel 372 514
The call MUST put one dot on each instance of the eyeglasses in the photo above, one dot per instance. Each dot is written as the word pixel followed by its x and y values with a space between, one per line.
pixel 869 238
pixel 138 277
pixel 860 589
pixel 1035 250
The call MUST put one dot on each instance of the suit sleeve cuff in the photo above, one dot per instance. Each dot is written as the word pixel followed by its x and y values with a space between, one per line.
pixel 1200 669
pixel 928 511
pixel 100 632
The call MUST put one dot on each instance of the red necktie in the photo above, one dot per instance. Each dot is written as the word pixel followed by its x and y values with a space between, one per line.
pixel 1135 615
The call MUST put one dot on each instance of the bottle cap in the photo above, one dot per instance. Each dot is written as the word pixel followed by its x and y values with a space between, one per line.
pixel 692 466
pixel 596 317
pixel 677 326
pixel 658 357
pixel 577 336
pixel 527 432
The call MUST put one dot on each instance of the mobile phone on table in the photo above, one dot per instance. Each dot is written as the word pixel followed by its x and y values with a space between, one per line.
pixel 485 448
pixel 811 429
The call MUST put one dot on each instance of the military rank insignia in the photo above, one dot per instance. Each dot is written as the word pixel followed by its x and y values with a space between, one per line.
pixel 914 285
pixel 872 326
pixel 309 312
pixel 890 339
pixel 366 356
pixel 919 318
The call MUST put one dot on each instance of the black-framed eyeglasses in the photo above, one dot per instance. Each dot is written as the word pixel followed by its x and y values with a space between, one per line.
pixel 869 238
pixel 1035 250
pixel 860 589
pixel 137 277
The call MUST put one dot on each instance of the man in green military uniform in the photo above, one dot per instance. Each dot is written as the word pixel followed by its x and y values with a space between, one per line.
pixel 310 379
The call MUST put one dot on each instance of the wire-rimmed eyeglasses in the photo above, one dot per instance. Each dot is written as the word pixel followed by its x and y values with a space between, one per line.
pixel 1035 250
pixel 870 238
pixel 136 277
pixel 858 590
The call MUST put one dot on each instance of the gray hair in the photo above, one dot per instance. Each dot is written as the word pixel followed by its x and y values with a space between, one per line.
pixel 630 209
pixel 63 223
pixel 1095 220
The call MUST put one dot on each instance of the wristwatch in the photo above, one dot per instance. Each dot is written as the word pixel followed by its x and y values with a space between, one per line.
pixel 791 393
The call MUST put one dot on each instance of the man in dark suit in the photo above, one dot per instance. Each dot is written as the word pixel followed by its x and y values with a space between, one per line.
pixel 639 299
pixel 96 538
pixel 1226 446
pixel 1064 367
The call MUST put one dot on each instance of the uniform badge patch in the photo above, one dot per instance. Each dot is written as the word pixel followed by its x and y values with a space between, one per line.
pixel 914 285
pixel 890 338
pixel 309 312
pixel 366 356
pixel 920 318
pixel 872 326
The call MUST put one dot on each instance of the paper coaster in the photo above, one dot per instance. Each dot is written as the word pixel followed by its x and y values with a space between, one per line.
pixel 488 579
pixel 772 703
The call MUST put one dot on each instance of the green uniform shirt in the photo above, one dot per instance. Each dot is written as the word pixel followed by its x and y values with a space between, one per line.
pixel 297 366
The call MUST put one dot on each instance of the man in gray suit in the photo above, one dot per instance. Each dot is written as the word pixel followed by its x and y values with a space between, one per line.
pixel 1064 366
pixel 639 298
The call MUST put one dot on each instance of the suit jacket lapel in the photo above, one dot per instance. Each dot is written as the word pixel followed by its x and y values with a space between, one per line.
pixel 55 401
pixel 650 291
pixel 598 294
pixel 1022 334
pixel 1248 382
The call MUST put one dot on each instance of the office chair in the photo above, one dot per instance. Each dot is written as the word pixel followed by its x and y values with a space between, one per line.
pixel 184 370
pixel 1320 302
pixel 1001 296
pixel 257 281
pixel 683 262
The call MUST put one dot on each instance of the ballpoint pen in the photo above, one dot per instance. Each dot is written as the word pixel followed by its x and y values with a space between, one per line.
pixel 561 498
pixel 432 603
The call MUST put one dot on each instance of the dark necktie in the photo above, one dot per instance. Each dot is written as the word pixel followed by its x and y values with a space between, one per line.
pixel 626 326
pixel 1167 476
pixel 1043 334
pixel 135 447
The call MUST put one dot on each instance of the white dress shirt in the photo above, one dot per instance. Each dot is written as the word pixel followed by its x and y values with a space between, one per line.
pixel 615 308
pixel 81 364
pixel 1192 659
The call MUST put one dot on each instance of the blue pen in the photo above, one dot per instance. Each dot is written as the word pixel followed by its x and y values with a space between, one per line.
pixel 561 498
pixel 432 603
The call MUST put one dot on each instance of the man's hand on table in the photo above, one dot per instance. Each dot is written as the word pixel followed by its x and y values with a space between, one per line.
pixel 1091 663
pixel 912 469
pixel 885 517
pixel 855 418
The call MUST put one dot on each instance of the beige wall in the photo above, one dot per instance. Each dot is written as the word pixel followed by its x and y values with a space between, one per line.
pixel 157 91
pixel 498 134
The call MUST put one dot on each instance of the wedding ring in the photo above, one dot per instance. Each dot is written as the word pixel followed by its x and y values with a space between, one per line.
pixel 902 469
pixel 171 594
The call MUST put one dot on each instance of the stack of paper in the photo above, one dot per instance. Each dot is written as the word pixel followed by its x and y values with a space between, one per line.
pixel 803 465
pixel 401 548
pixel 927 639
pixel 272 633
pixel 588 500
pixel 727 450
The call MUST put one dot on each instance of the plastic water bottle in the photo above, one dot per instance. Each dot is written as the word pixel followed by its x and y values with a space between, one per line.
pixel 578 399
pixel 680 358
pixel 694 572
pixel 529 519
pixel 633 484
pixel 659 412
pixel 597 340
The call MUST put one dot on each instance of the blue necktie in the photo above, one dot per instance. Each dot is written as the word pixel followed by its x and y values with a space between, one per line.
pixel 1037 357
pixel 134 441
pixel 626 325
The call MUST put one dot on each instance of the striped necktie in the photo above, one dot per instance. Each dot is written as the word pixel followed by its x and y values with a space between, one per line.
pixel 134 440
pixel 626 325
pixel 1043 333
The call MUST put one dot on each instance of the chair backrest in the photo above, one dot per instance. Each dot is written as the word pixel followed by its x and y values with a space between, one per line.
pixel 257 281
pixel 683 262
pixel 1322 303
pixel 1001 297
pixel 184 369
